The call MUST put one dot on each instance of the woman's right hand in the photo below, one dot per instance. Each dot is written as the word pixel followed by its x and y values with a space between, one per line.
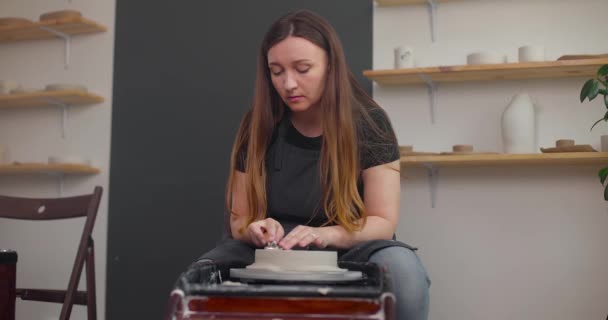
pixel 262 232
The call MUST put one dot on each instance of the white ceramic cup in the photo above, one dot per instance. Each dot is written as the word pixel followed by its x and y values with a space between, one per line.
pixel 486 57
pixel 604 143
pixel 531 53
pixel 404 57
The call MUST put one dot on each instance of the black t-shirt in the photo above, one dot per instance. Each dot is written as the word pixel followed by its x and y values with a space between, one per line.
pixel 374 148
pixel 293 186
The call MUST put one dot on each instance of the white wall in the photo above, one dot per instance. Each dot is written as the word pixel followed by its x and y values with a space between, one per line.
pixel 501 243
pixel 46 252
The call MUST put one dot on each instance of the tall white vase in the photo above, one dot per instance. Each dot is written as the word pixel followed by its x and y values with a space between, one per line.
pixel 519 125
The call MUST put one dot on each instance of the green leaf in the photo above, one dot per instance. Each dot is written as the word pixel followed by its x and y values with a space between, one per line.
pixel 606 193
pixel 602 174
pixel 606 101
pixel 603 92
pixel 598 121
pixel 587 88
pixel 595 89
pixel 603 71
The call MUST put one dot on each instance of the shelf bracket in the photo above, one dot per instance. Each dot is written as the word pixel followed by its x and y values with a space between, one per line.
pixel 67 40
pixel 64 115
pixel 432 88
pixel 60 182
pixel 433 177
pixel 432 6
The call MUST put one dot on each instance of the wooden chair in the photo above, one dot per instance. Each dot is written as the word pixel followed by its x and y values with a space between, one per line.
pixel 62 208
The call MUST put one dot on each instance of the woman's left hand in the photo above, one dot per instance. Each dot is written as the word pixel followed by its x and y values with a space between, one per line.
pixel 303 236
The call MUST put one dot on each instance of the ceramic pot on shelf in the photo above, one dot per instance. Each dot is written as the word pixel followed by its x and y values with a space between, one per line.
pixel 518 124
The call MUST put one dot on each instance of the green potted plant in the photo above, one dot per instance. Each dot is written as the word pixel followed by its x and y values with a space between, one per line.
pixel 594 87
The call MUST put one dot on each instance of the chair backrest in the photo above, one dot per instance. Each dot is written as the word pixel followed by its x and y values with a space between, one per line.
pixel 59 208
pixel 50 208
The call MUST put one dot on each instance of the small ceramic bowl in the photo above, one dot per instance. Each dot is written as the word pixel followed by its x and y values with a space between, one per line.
pixel 62 14
pixel 65 86
pixel 21 90
pixel 69 160
pixel 12 21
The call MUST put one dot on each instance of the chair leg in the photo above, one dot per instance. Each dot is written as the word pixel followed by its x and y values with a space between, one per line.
pixel 90 274
pixel 7 291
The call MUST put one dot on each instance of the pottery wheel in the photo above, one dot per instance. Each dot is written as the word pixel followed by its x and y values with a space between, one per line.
pixel 317 276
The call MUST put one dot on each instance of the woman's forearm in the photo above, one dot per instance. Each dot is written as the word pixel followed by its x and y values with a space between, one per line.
pixel 237 228
pixel 376 228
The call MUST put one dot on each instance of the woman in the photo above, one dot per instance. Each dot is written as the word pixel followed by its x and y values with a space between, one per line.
pixel 316 163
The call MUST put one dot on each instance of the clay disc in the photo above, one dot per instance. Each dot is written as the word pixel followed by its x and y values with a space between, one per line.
pixel 575 148
pixel 65 86
pixel 58 15
pixel 417 153
pixel 582 56
pixel 10 21
pixel 466 153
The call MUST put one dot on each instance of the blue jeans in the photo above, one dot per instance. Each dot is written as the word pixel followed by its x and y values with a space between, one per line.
pixel 408 279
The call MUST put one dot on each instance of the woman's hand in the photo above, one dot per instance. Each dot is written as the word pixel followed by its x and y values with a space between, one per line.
pixel 303 236
pixel 262 232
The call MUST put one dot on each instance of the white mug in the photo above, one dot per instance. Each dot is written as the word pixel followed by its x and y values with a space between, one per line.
pixel 531 53
pixel 404 57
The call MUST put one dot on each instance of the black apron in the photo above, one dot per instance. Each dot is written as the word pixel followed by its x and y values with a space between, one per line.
pixel 293 191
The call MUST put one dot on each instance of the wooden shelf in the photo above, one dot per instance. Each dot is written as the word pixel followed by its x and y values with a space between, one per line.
pixel 34 31
pixel 44 168
pixel 49 98
pixel 545 159
pixel 488 72
pixel 395 3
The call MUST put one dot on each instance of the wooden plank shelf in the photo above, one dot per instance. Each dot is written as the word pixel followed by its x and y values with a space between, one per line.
pixel 473 160
pixel 36 30
pixel 488 72
pixel 44 168
pixel 395 3
pixel 49 98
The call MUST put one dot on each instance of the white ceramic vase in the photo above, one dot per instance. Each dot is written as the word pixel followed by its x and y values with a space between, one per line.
pixel 604 143
pixel 519 125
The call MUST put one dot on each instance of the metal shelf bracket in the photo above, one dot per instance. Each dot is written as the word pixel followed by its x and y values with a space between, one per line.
pixel 433 177
pixel 64 115
pixel 67 40
pixel 61 184
pixel 432 6
pixel 60 181
pixel 432 89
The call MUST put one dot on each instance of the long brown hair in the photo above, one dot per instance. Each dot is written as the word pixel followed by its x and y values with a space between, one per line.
pixel 345 106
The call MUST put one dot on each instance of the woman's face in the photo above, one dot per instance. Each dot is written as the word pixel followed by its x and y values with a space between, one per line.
pixel 298 69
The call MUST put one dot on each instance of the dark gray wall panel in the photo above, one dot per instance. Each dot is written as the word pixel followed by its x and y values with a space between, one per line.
pixel 183 77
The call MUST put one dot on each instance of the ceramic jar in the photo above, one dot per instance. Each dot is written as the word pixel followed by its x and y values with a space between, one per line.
pixel 518 124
